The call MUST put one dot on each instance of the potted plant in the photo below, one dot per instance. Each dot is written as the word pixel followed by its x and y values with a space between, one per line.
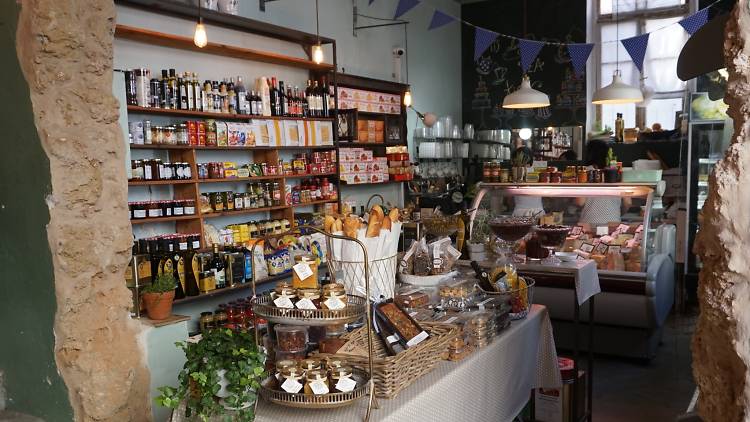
pixel 158 296
pixel 221 376
pixel 611 173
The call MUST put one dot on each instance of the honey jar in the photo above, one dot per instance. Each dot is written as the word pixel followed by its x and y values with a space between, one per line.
pixel 317 382
pixel 305 272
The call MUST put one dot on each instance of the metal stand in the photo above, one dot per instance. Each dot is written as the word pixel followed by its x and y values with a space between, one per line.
pixel 587 415
pixel 368 309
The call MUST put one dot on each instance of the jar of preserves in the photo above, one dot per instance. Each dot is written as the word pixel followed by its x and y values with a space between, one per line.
pixel 239 201
pixel 555 177
pixel 308 299
pixel 178 207
pixel 189 206
pixel 217 204
pixel 168 135
pixel 291 338
pixel 582 175
pixel 341 378
pixel 284 364
pixel 544 177
pixel 334 296
pixel 181 134
pixel 202 170
pixel 206 321
pixel 310 364
pixel 291 380
pixel 228 199
pixel 487 171
pixel 495 172
pixel 220 317
pixel 317 382
pixel 154 209
pixel 139 210
pixel 504 175
pixel 305 271
pixel 148 173
pixel 167 208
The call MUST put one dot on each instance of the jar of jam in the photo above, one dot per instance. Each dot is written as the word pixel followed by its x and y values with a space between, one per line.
pixel 138 210
pixel 344 373
pixel 206 321
pixel 544 177
pixel 305 273
pixel 217 204
pixel 334 296
pixel 582 175
pixel 136 170
pixel 486 171
pixel 495 172
pixel 188 206
pixel 239 201
pixel 220 318
pixel 284 289
pixel 202 170
pixel 312 295
pixel 317 382
pixel 504 175
pixel 178 207
pixel 168 135
pixel 181 134
pixel 228 199
pixel 555 177
pixel 284 364
pixel 310 364
pixel 154 209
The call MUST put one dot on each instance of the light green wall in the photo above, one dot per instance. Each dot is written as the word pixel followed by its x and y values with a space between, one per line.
pixel 27 291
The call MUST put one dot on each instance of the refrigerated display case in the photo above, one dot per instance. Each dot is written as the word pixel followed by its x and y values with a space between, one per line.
pixel 709 133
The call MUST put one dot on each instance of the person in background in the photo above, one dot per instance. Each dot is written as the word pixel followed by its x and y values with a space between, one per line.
pixel 525 206
pixel 568 155
pixel 600 210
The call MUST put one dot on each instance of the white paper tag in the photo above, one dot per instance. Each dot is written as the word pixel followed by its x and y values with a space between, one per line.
pixel 283 302
pixel 481 304
pixel 319 387
pixel 392 339
pixel 335 303
pixel 413 314
pixel 302 270
pixel 417 339
pixel 602 230
pixel 449 320
pixel 291 385
pixel 305 303
pixel 346 385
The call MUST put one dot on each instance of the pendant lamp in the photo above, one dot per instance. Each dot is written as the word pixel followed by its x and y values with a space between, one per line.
pixel 200 39
pixel 526 97
pixel 317 49
pixel 618 92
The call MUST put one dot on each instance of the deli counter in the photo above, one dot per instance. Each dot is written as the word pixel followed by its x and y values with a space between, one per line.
pixel 619 225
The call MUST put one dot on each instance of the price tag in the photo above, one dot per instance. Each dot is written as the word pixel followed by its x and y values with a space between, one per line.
pixel 291 385
pixel 305 303
pixel 283 302
pixel 302 270
pixel 602 230
pixel 392 339
pixel 481 304
pixel 346 385
pixel 449 320
pixel 417 339
pixel 335 303
pixel 319 387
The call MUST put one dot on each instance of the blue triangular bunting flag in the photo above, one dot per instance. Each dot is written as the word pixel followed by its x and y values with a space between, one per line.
pixel 404 6
pixel 579 54
pixel 695 21
pixel 529 50
pixel 482 41
pixel 439 19
pixel 636 47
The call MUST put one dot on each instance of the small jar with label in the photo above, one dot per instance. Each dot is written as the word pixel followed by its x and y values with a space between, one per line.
pixel 178 207
pixel 168 135
pixel 290 378
pixel 181 133
pixel 136 170
pixel 344 373
pixel 239 201
pixel 311 295
pixel 154 209
pixel 139 210
pixel 228 199
pixel 334 296
pixel 305 271
pixel 167 208
pixel 315 381
pixel 189 206
pixel 206 321
pixel 310 364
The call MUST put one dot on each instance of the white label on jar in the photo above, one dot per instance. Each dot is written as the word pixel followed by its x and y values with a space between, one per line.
pixel 346 385
pixel 417 339
pixel 305 303
pixel 139 213
pixel 183 246
pixel 319 387
pixel 283 302
pixel 178 210
pixel 169 211
pixel 302 270
pixel 180 172
pixel 189 210
pixel 147 172
pixel 392 339
pixel 196 244
pixel 238 203
pixel 335 303
pixel 154 212
pixel 291 385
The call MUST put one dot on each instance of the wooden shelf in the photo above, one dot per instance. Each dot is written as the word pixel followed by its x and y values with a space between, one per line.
pixel 243 286
pixel 163 219
pixel 186 43
pixel 368 144
pixel 258 178
pixel 242 212
pixel 228 148
pixel 388 182
pixel 212 115
pixel 160 182
pixel 325 201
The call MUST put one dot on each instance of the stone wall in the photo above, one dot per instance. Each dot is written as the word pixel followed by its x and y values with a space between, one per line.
pixel 721 344
pixel 65 51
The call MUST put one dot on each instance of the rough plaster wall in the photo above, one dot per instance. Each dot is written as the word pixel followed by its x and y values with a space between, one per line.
pixel 721 345
pixel 65 49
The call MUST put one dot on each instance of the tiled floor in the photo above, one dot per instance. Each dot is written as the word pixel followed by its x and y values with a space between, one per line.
pixel 627 391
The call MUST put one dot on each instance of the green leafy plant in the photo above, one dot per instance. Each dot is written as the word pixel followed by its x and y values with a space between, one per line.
pixel 611 157
pixel 234 352
pixel 162 284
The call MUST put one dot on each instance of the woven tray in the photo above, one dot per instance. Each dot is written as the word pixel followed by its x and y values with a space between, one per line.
pixel 394 373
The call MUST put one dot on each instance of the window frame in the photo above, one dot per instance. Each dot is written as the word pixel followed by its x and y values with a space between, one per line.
pixel 640 16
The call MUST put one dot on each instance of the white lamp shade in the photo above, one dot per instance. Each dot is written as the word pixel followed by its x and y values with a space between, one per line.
pixel 618 92
pixel 526 97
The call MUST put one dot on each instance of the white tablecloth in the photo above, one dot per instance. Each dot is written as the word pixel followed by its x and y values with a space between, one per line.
pixel 492 384
pixel 584 271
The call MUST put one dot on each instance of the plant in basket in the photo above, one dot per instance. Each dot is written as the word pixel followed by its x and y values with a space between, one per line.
pixel 221 376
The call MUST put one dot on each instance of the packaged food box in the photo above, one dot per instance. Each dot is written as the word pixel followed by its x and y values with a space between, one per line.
pixel 221 134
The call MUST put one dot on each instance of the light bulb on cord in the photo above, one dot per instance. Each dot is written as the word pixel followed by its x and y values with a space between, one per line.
pixel 317 53
pixel 524 134
pixel 200 38
pixel 407 98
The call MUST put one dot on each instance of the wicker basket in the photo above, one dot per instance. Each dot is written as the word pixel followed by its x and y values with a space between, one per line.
pixel 520 299
pixel 394 373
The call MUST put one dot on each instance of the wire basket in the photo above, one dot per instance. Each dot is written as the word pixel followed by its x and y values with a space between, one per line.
pixel 272 393
pixel 263 306
pixel 520 299
pixel 382 276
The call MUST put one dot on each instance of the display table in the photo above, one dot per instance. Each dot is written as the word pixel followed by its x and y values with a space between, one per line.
pixel 583 271
pixel 491 384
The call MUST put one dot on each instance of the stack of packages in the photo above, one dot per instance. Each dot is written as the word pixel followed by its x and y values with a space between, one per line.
pixel 357 165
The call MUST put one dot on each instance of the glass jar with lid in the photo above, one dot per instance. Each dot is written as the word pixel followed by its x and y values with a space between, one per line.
pixel 310 364
pixel 181 134
pixel 311 295
pixel 334 296
pixel 189 206
pixel 206 321
pixel 292 380
pixel 136 170
pixel 317 382
pixel 305 272
pixel 168 135
pixel 291 338
pixel 341 378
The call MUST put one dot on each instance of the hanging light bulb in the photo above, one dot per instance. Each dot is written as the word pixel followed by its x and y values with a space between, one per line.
pixel 200 38
pixel 317 53
pixel 407 98
pixel 618 92
pixel 526 97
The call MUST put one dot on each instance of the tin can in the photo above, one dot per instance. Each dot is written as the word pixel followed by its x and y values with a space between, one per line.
pixel 147 132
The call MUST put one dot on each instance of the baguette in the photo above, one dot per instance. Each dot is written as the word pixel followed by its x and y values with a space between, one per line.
pixel 337 226
pixel 374 224
pixel 386 224
pixel 351 224
pixel 393 215
pixel 328 224
pixel 378 211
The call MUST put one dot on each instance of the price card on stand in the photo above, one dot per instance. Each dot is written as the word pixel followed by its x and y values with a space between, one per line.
pixel 291 385
pixel 319 387
pixel 335 303
pixel 305 303
pixel 283 302
pixel 302 270
pixel 346 385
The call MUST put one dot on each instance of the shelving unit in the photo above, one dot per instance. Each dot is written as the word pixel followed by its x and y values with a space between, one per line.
pixel 191 154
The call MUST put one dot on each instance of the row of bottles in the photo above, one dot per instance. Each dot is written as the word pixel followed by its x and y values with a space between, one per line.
pixel 269 98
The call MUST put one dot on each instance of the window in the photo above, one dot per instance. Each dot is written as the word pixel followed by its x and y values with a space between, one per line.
pixel 659 18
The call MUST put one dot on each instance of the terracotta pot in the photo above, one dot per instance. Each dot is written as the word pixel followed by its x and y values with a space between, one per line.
pixel 158 305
